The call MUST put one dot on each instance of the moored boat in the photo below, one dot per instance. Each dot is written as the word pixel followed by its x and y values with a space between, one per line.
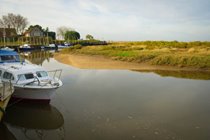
pixel 25 47
pixel 31 82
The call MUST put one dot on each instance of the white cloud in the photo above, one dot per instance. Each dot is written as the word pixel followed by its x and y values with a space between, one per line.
pixel 119 19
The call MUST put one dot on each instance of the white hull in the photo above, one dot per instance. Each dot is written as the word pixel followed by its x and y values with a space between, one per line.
pixel 34 94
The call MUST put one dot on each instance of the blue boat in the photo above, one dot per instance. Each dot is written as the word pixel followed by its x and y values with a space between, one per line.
pixel 8 56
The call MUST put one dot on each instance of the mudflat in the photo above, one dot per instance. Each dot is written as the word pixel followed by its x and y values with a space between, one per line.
pixel 101 62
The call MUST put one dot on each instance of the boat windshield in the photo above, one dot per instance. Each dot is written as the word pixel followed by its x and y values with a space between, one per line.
pixel 9 58
pixel 27 76
pixel 41 74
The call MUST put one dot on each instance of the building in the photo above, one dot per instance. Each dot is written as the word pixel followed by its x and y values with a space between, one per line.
pixel 8 32
pixel 34 32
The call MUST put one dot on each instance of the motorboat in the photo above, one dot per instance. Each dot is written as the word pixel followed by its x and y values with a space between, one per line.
pixel 31 82
pixel 51 46
pixel 7 48
pixel 25 47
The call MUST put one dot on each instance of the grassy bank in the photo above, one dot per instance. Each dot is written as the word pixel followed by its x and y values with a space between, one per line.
pixel 181 54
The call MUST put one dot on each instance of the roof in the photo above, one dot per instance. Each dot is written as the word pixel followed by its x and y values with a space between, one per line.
pixel 9 32
pixel 18 68
pixel 8 52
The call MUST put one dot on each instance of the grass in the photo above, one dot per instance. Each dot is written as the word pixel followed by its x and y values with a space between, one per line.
pixel 181 54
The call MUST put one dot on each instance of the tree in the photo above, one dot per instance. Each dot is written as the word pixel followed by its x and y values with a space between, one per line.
pixel 14 21
pixel 37 26
pixel 52 35
pixel 61 31
pixel 89 37
pixel 72 35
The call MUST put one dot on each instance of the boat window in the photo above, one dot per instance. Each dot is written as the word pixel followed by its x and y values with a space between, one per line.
pixel 21 77
pixel 10 58
pixel 41 74
pixel 8 75
pixel 17 58
pixel 27 76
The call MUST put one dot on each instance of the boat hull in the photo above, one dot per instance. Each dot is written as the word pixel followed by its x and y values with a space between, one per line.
pixel 34 94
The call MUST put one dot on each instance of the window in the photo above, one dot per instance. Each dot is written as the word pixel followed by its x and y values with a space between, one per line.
pixel 10 58
pixel 8 75
pixel 27 76
pixel 21 77
pixel 41 74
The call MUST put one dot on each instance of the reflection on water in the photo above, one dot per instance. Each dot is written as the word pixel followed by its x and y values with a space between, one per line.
pixel 5 134
pixel 197 75
pixel 35 120
pixel 117 105
pixel 37 57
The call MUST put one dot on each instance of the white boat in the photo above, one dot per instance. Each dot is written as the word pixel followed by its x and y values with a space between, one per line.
pixel 7 48
pixel 25 47
pixel 51 46
pixel 30 81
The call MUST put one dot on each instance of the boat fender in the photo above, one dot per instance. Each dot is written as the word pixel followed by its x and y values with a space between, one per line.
pixel 2 110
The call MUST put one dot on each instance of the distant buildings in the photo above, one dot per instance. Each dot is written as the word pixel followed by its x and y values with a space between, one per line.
pixel 34 32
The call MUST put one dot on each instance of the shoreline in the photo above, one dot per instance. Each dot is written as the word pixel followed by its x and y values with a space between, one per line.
pixel 100 62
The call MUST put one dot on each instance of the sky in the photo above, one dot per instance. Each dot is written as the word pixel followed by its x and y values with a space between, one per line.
pixel 119 20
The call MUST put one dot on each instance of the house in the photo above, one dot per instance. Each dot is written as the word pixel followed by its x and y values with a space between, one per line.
pixel 34 32
pixel 7 32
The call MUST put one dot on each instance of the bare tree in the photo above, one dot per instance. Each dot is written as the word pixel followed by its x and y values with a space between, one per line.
pixel 61 31
pixel 14 21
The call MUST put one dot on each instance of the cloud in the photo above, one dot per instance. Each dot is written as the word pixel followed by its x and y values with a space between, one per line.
pixel 119 19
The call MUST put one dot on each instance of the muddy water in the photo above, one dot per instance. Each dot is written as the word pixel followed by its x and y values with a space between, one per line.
pixel 115 105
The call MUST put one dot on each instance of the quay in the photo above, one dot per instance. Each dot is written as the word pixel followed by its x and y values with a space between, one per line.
pixel 6 91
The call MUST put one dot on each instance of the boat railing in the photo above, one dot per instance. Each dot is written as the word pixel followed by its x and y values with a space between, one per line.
pixel 55 73
pixel 6 89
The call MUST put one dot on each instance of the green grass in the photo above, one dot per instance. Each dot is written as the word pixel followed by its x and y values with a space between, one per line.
pixel 181 54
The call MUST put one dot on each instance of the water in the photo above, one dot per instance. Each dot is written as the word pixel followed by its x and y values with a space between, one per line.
pixel 115 105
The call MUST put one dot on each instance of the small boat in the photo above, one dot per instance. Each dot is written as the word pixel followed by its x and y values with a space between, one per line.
pixel 7 48
pixel 64 45
pixel 31 82
pixel 25 47
pixel 51 46
pixel 6 90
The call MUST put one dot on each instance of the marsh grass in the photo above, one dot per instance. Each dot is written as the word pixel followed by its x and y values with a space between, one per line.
pixel 181 54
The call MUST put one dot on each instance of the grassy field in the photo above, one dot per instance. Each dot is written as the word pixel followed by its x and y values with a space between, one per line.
pixel 181 54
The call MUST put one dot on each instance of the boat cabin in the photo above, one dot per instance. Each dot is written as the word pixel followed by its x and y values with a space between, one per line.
pixel 22 73
pixel 7 56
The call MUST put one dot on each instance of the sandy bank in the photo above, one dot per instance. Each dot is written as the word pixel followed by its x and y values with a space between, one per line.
pixel 100 62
